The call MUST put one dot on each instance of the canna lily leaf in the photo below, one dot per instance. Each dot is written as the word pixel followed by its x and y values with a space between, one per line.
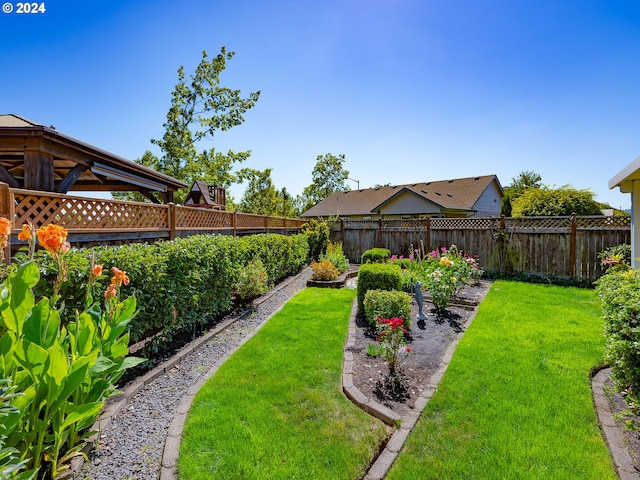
pixel 58 364
pixel 43 325
pixel 7 344
pixel 20 301
pixel 29 273
pixel 84 415
pixel 131 362
pixel 102 364
pixel 84 332
pixel 31 357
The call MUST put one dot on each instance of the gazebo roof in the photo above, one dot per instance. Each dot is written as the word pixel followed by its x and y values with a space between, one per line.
pixel 36 157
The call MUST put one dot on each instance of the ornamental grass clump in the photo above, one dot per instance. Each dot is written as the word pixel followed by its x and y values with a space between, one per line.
pixel 61 373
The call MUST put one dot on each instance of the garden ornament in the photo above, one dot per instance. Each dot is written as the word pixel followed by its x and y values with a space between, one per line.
pixel 420 301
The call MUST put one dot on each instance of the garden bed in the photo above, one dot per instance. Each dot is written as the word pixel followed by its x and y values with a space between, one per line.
pixel 428 341
pixel 339 282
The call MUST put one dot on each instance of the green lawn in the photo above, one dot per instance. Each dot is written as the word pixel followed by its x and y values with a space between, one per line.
pixel 515 401
pixel 275 409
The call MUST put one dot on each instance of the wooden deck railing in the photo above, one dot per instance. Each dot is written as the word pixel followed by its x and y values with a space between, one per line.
pixel 93 221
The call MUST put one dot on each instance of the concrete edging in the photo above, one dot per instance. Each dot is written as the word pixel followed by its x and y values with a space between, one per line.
pixel 612 436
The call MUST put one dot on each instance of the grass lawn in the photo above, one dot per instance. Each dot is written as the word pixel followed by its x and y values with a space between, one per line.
pixel 275 409
pixel 515 401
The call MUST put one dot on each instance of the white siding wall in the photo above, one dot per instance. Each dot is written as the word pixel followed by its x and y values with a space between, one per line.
pixel 488 205
pixel 409 204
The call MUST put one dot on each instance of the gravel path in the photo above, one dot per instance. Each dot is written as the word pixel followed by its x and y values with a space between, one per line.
pixel 131 447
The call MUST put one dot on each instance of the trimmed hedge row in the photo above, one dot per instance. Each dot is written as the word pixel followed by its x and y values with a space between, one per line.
pixel 179 285
pixel 377 276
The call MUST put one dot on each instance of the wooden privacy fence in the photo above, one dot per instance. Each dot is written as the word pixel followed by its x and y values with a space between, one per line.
pixel 91 221
pixel 565 247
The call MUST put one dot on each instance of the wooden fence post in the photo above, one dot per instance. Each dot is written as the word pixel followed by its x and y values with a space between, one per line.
pixel 7 210
pixel 572 249
pixel 172 221
pixel 501 239
pixel 379 242
pixel 428 235
pixel 266 224
pixel 234 223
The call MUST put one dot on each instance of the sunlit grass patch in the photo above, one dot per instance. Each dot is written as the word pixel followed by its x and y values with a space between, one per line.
pixel 516 399
pixel 275 409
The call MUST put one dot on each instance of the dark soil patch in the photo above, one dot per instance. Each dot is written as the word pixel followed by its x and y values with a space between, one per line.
pixel 428 340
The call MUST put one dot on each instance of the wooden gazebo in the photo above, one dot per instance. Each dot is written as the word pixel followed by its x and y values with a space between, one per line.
pixel 36 157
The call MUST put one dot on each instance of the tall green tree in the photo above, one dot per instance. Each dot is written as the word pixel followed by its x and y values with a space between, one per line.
pixel 525 180
pixel 328 176
pixel 562 201
pixel 261 196
pixel 201 107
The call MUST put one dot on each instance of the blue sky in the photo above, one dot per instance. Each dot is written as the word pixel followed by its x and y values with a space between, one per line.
pixel 408 90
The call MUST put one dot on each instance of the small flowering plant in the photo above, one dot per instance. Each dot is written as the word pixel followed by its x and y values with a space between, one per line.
pixel 442 271
pixel 392 343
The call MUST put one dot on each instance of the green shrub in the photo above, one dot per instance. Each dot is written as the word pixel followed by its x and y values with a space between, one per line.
pixel 324 270
pixel 281 255
pixel 377 276
pixel 252 280
pixel 387 304
pixel 376 255
pixel 336 256
pixel 180 286
pixel 318 234
pixel 618 256
pixel 620 295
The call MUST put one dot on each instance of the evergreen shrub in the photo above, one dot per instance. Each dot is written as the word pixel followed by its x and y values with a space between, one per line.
pixel 377 276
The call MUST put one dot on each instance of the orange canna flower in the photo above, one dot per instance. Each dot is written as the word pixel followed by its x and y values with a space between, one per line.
pixel 111 292
pixel 96 271
pixel 119 277
pixel 5 226
pixel 53 238
pixel 25 234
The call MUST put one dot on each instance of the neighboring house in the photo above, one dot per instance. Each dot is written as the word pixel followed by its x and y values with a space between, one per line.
pixel 628 179
pixel 459 198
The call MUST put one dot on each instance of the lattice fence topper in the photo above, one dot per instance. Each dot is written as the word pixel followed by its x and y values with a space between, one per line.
pixel 465 223
pixel 538 224
pixel 400 225
pixel 88 214
pixel 599 222
pixel 360 224
pixel 197 218
pixel 247 220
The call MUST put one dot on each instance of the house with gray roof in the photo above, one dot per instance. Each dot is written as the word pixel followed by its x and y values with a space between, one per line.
pixel 457 198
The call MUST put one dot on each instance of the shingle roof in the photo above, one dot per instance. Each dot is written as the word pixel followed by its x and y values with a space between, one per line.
pixel 455 194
